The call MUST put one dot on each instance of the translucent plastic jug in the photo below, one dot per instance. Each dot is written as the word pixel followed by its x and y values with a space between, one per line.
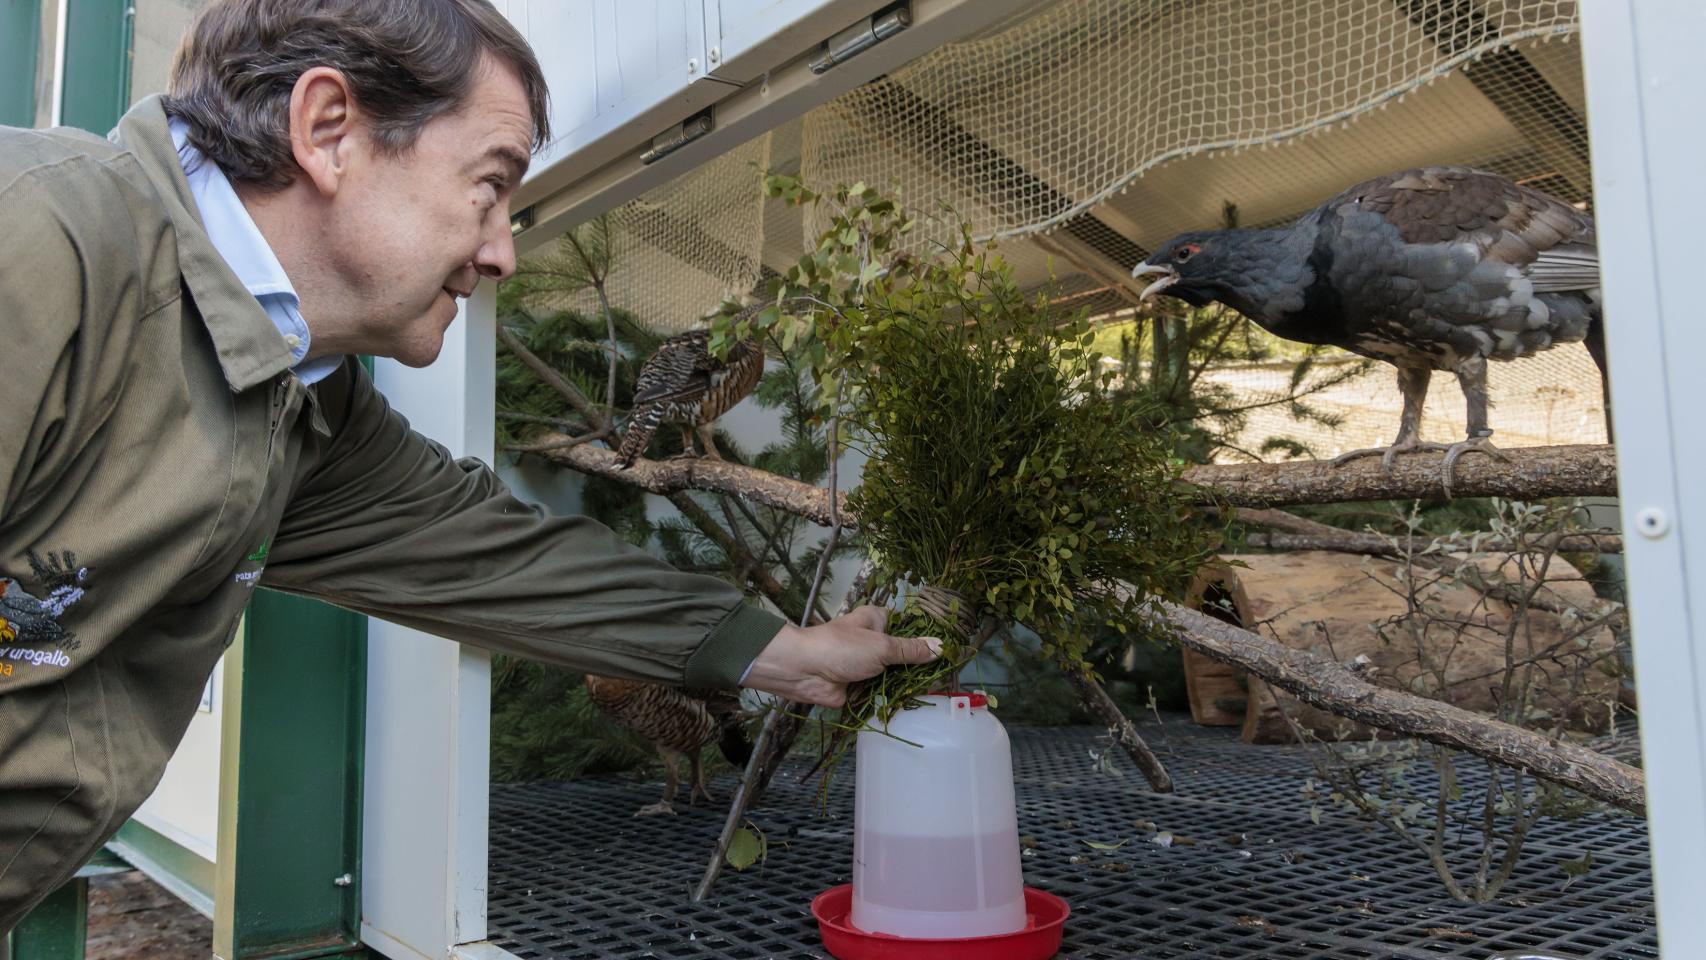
pixel 935 837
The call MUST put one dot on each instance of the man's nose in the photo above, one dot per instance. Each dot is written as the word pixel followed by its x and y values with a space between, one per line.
pixel 496 256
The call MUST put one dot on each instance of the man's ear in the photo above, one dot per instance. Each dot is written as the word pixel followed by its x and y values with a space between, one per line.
pixel 323 127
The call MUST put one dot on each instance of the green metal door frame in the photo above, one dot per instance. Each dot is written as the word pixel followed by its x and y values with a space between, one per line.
pixel 96 87
pixel 288 864
pixel 20 36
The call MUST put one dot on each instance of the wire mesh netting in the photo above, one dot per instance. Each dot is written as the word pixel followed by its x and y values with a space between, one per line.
pixel 1245 872
pixel 1043 120
pixel 1115 124
pixel 680 250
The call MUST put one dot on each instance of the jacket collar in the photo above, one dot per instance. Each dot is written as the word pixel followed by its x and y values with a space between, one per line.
pixel 250 348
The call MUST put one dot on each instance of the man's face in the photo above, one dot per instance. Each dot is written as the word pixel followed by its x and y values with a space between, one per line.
pixel 417 231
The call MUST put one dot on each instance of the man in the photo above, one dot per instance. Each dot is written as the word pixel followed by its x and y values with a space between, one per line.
pixel 184 417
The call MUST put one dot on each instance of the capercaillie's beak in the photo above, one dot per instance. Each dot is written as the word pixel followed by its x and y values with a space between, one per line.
pixel 1169 276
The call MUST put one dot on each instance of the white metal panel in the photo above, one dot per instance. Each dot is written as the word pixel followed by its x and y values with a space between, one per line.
pixel 429 700
pixel 184 807
pixel 1645 102
pixel 567 187
pixel 748 37
pixel 620 71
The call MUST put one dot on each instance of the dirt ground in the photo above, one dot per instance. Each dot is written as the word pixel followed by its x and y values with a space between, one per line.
pixel 132 918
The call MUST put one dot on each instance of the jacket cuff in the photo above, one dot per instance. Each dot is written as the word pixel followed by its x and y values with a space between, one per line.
pixel 722 659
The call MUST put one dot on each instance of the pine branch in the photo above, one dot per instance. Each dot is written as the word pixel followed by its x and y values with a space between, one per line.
pixel 1531 473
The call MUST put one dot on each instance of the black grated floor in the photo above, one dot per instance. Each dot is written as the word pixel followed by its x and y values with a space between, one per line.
pixel 575 876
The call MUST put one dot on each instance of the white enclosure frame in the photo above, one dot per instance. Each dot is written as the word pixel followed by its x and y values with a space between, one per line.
pixel 424 890
pixel 1645 110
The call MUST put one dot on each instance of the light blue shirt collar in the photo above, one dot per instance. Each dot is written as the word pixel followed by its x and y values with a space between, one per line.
pixel 233 233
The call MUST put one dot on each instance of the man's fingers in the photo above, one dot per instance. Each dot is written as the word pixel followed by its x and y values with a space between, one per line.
pixel 914 649
pixel 871 617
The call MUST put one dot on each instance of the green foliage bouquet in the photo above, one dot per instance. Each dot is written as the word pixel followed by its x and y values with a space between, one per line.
pixel 1003 468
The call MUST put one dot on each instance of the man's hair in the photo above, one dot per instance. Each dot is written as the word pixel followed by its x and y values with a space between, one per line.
pixel 407 61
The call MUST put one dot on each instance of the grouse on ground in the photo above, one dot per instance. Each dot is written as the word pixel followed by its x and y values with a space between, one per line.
pixel 675 721
pixel 1438 268
pixel 684 384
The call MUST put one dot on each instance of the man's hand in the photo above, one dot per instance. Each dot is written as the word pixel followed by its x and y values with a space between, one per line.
pixel 815 664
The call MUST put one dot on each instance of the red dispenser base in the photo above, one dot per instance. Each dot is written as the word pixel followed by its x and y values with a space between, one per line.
pixel 1045 915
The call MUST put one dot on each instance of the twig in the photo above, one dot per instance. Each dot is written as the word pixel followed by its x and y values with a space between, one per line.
pixel 555 381
pixel 1301 533
pixel 559 444
pixel 777 544
pixel 1121 728
pixel 557 422
pixel 775 737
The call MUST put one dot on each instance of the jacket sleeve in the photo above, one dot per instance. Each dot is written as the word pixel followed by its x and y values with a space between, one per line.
pixel 387 523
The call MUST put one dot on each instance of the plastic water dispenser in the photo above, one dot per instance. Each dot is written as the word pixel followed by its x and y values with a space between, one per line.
pixel 935 837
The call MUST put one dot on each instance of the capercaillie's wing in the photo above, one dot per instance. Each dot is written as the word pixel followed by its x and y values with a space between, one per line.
pixel 1552 241
pixel 678 372
pixel 663 716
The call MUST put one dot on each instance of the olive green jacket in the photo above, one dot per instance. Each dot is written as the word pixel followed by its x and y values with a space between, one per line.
pixel 158 461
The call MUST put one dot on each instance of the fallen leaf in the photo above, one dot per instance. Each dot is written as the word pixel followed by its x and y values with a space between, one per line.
pixel 1267 927
pixel 746 848
pixel 1448 933
pixel 1105 846
pixel 1028 842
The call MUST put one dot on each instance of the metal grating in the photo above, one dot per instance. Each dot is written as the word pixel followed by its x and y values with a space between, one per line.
pixel 575 876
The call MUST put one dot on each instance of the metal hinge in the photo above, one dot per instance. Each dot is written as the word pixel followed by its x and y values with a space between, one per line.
pixel 677 137
pixel 862 36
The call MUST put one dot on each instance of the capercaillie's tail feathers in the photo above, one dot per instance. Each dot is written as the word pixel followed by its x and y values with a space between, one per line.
pixel 638 437
pixel 1595 343
pixel 733 742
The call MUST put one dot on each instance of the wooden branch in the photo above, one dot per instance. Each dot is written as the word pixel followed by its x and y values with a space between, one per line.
pixel 1373 544
pixel 664 477
pixel 1327 684
pixel 1123 730
pixel 1533 473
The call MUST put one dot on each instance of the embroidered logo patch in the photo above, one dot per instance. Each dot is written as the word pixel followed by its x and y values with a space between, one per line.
pixel 29 622
pixel 249 578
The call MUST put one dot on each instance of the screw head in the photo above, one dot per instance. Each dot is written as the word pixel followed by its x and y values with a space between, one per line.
pixel 693 65
pixel 343 881
pixel 1652 523
pixel 716 55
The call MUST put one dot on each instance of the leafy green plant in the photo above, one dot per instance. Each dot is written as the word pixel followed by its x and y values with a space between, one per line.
pixel 1002 466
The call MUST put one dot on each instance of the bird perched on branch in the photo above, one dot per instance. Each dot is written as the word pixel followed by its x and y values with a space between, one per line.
pixel 1440 268
pixel 676 722
pixel 684 384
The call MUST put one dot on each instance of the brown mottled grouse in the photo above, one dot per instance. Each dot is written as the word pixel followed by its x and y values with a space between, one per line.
pixel 676 722
pixel 1438 268
pixel 683 384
